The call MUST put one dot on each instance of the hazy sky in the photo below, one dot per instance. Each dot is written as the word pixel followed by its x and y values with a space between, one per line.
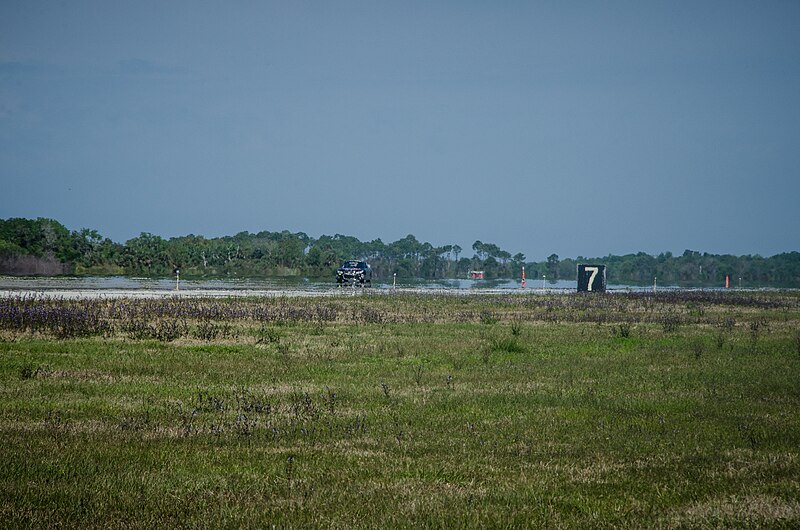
pixel 580 128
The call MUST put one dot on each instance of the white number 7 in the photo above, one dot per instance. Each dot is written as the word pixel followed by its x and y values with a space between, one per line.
pixel 594 271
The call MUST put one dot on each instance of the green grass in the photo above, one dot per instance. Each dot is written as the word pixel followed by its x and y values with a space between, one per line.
pixel 519 411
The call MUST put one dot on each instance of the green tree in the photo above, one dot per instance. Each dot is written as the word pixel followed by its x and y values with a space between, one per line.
pixel 147 254
pixel 480 249
pixel 552 266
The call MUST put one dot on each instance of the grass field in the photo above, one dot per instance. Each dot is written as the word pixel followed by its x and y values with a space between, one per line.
pixel 619 410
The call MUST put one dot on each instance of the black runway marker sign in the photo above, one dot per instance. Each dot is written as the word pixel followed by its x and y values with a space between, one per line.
pixel 591 278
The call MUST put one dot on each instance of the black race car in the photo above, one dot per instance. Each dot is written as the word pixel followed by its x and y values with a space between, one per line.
pixel 354 271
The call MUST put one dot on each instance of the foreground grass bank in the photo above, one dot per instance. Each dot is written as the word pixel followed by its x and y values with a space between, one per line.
pixel 676 410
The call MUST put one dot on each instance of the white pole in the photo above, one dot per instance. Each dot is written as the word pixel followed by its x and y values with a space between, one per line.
pixel 654 284
pixel 178 280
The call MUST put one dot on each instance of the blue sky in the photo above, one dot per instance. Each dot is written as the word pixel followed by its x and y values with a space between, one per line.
pixel 580 128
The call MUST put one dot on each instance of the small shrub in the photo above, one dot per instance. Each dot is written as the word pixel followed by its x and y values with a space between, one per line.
pixel 757 328
pixel 671 323
pixel 371 316
pixel 507 345
pixel 355 426
pixel 138 329
pixel 622 330
pixel 330 401
pixel 267 334
pixel 489 318
pixel 29 371
pixel 228 331
pixel 696 309
pixel 303 407
pixel 247 401
pixel 207 331
pixel 244 426
pixel 698 347
pixel 418 373
pixel 168 330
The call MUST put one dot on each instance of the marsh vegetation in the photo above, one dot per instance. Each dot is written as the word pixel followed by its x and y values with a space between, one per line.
pixel 626 409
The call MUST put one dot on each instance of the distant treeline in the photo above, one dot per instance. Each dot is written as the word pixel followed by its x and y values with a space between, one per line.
pixel 45 246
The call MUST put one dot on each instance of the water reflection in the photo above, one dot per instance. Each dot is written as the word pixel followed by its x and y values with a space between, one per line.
pixel 293 283
pixel 257 284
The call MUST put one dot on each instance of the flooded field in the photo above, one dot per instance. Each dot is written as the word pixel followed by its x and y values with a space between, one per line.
pixel 119 286
pixel 123 286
